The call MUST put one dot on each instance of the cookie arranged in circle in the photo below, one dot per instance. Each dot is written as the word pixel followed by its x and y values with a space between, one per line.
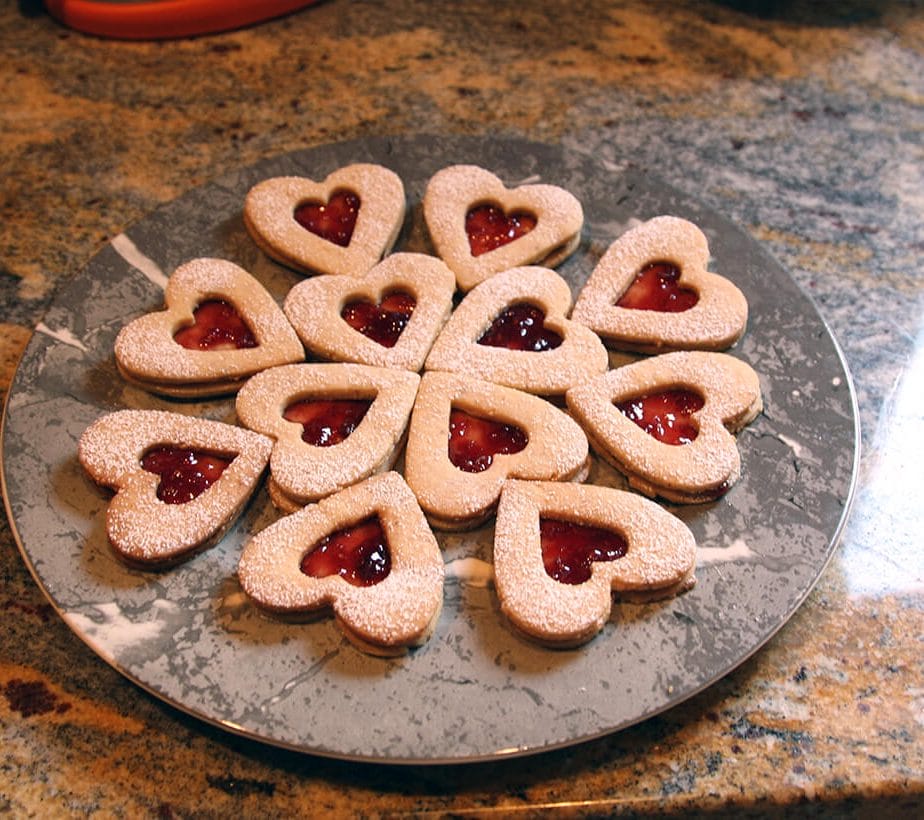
pixel 512 329
pixel 218 328
pixel 480 227
pixel 562 551
pixel 365 552
pixel 333 425
pixel 651 292
pixel 388 317
pixel 179 481
pixel 343 224
pixel 467 436
pixel 666 422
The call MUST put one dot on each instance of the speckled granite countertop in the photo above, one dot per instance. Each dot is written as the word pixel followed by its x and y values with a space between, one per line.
pixel 801 122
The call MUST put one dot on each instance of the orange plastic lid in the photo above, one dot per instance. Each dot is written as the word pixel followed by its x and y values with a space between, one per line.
pixel 164 19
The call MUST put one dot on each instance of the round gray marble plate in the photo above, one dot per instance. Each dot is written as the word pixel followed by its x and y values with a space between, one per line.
pixel 476 690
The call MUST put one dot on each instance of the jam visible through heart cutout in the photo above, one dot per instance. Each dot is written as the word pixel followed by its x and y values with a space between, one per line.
pixel 333 220
pixel 569 549
pixel 216 326
pixel 358 554
pixel 184 473
pixel 474 441
pixel 656 288
pixel 384 322
pixel 665 415
pixel 520 327
pixel 326 422
pixel 488 227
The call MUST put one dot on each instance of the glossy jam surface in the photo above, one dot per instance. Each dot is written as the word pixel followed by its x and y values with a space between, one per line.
pixel 326 422
pixel 521 327
pixel 474 441
pixel 665 415
pixel 333 220
pixel 184 473
pixel 384 322
pixel 488 227
pixel 656 288
pixel 569 549
pixel 216 326
pixel 358 554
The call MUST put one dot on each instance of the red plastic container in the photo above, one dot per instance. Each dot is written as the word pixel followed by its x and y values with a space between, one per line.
pixel 165 19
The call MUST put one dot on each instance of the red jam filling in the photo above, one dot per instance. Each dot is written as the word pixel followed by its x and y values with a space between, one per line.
pixel 656 288
pixel 520 327
pixel 666 415
pixel 333 220
pixel 474 441
pixel 569 549
pixel 184 473
pixel 358 554
pixel 488 227
pixel 326 422
pixel 216 326
pixel 384 322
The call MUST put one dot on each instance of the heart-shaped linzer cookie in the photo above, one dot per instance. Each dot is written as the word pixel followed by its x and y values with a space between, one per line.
pixel 387 317
pixel 467 436
pixel 342 225
pixel 219 327
pixel 666 422
pixel 651 292
pixel 333 424
pixel 480 227
pixel 180 481
pixel 366 552
pixel 512 330
pixel 562 550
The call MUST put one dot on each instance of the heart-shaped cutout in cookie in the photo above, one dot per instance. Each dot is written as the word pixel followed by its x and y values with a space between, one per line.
pixel 231 324
pixel 359 554
pixel 216 325
pixel 657 287
pixel 343 224
pixel 666 415
pixel 569 549
pixel 512 329
pixel 326 422
pixel 475 440
pixel 688 469
pixel 604 542
pixel 179 481
pixel 458 497
pixel 521 326
pixel 383 322
pixel 356 418
pixel 333 220
pixel 366 552
pixel 651 292
pixel 488 227
pixel 185 473
pixel 387 317
pixel 480 227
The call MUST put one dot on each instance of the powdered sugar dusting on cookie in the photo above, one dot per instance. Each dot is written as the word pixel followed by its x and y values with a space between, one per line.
pixel 304 472
pixel 269 217
pixel 580 356
pixel 452 191
pixel 141 526
pixel 391 615
pixel 453 499
pixel 314 308
pixel 148 355
pixel 659 561
pixel 715 322
pixel 689 473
